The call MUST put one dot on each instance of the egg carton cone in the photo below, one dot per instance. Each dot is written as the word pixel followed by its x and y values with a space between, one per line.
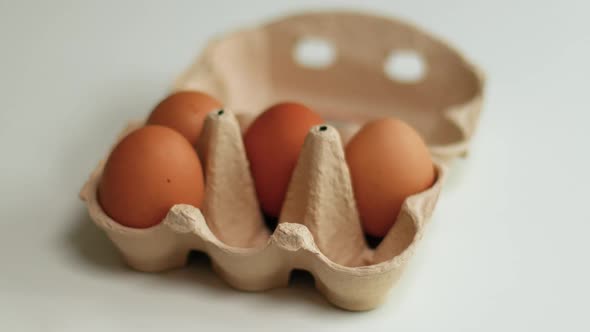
pixel 318 230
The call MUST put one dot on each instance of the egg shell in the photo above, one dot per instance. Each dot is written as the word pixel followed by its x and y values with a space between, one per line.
pixel 388 162
pixel 149 171
pixel 273 143
pixel 184 111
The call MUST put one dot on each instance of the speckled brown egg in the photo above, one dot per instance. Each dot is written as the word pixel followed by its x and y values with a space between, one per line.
pixel 149 171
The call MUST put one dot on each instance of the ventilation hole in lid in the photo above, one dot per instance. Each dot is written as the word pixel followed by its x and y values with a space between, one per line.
pixel 220 112
pixel 323 128
pixel 405 66
pixel 314 53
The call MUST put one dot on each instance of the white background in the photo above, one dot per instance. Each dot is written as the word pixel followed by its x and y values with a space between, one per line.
pixel 507 249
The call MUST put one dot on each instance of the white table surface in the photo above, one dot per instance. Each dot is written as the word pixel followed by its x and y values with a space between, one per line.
pixel 508 248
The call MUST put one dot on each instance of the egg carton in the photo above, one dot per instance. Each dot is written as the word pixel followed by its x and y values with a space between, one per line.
pixel 318 229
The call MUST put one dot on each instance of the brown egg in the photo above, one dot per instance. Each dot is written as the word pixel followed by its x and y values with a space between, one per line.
pixel 149 171
pixel 388 162
pixel 273 143
pixel 184 112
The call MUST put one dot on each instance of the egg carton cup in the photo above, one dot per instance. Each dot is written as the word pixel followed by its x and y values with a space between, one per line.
pixel 319 230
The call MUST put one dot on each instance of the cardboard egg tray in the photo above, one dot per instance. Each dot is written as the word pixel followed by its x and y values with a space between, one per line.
pixel 319 229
